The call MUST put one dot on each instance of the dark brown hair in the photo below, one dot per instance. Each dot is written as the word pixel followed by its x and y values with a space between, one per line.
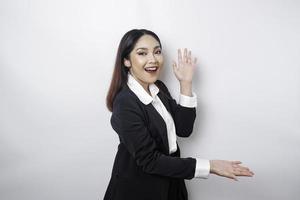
pixel 119 77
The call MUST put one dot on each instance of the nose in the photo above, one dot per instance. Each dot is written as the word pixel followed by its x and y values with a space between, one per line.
pixel 152 58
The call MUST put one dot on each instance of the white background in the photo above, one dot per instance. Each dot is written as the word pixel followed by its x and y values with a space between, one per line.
pixel 56 61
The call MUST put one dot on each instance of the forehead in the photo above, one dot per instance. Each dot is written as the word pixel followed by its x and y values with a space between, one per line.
pixel 146 41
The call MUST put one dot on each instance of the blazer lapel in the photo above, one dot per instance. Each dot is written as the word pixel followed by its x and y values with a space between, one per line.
pixel 159 122
pixel 157 119
pixel 165 101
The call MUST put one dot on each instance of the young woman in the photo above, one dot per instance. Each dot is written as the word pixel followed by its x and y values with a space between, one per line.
pixel 147 120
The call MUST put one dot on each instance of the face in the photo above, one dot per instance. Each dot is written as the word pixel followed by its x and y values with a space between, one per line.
pixel 145 60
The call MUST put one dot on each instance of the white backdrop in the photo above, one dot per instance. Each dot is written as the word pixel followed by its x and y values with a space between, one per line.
pixel 56 61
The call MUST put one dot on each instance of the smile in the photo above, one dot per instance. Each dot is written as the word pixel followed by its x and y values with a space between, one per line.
pixel 151 69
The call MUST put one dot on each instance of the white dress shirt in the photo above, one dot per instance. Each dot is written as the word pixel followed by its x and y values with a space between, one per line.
pixel 202 165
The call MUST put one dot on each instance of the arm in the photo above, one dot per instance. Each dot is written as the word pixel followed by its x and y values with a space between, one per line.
pixel 128 121
pixel 184 71
pixel 184 113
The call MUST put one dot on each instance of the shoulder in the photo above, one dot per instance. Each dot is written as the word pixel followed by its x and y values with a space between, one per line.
pixel 126 100
pixel 127 109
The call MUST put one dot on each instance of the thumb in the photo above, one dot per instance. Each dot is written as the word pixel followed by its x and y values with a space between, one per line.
pixel 174 65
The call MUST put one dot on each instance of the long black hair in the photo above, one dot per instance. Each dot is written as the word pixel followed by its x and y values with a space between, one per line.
pixel 119 77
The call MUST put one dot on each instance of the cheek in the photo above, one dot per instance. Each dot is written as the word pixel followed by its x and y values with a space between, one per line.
pixel 161 60
pixel 139 63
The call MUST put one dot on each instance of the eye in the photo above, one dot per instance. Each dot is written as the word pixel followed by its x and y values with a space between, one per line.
pixel 158 52
pixel 142 53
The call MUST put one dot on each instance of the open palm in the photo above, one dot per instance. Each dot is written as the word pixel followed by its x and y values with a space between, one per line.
pixel 184 70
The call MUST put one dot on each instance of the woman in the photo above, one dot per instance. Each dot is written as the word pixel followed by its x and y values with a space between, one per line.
pixel 147 119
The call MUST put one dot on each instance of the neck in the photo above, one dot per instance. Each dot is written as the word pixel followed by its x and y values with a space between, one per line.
pixel 146 88
pixel 143 84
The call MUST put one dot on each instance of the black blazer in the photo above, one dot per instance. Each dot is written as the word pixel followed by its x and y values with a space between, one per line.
pixel 143 168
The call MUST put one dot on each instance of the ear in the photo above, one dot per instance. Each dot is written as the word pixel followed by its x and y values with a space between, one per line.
pixel 127 63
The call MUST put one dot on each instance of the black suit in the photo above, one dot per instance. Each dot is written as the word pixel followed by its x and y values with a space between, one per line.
pixel 143 168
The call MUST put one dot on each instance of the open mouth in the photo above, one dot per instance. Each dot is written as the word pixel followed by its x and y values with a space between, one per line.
pixel 151 69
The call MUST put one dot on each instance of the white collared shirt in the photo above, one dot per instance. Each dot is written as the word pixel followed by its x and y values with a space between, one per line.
pixel 202 165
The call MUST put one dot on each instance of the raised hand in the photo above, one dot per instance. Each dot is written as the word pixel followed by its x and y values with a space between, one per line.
pixel 184 69
pixel 229 169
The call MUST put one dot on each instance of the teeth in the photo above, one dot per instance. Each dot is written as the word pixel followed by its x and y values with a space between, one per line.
pixel 151 68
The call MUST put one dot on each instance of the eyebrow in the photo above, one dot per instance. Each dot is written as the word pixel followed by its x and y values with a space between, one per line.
pixel 144 48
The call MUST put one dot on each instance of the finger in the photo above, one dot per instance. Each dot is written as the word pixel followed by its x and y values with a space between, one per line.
pixel 247 171
pixel 244 168
pixel 232 176
pixel 190 57
pixel 236 170
pixel 179 56
pixel 243 174
pixel 239 172
pixel 236 162
pixel 185 55
pixel 240 166
pixel 174 65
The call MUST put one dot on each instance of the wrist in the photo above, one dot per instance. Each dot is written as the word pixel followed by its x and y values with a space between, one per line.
pixel 185 82
pixel 212 167
pixel 186 88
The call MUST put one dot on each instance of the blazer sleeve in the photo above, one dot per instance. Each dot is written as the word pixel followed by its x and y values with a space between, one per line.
pixel 184 117
pixel 128 121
